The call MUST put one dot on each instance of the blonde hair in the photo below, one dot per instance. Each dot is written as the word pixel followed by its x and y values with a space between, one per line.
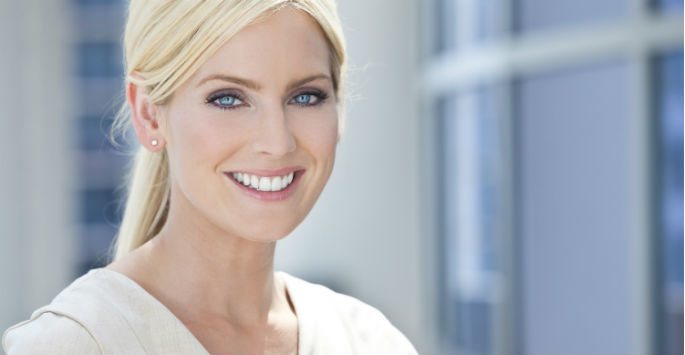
pixel 165 42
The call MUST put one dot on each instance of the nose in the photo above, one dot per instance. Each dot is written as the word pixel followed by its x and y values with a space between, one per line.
pixel 274 136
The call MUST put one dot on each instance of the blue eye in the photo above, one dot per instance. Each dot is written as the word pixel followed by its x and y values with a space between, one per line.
pixel 310 98
pixel 303 99
pixel 226 101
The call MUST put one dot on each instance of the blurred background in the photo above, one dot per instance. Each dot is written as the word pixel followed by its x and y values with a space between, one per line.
pixel 510 180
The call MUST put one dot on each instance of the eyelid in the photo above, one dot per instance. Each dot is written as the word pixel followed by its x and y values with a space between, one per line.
pixel 229 92
pixel 308 90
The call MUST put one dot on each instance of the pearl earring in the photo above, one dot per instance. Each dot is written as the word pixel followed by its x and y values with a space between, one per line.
pixel 155 142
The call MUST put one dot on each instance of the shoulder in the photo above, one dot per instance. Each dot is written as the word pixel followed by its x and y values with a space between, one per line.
pixel 367 329
pixel 49 333
pixel 81 319
pixel 370 326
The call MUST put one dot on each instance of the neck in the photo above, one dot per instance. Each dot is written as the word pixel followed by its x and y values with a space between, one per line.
pixel 215 274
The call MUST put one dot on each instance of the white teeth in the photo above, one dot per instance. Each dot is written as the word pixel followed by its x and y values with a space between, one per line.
pixel 276 183
pixel 263 183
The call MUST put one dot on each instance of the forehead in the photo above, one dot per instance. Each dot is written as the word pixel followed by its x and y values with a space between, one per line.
pixel 280 46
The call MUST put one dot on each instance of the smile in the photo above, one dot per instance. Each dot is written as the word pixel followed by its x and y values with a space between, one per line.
pixel 264 183
pixel 276 187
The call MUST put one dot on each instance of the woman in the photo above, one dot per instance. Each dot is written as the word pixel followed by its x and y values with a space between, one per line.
pixel 237 106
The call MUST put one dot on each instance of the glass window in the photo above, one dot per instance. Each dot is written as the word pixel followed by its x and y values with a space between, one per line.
pixel 465 23
pixel 93 133
pixel 573 207
pixel 669 5
pixel 100 206
pixel 98 56
pixel 102 168
pixel 470 156
pixel 573 180
pixel 99 2
pixel 100 60
pixel 536 15
pixel 95 243
pixel 670 182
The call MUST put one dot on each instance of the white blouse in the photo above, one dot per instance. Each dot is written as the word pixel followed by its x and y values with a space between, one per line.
pixel 105 312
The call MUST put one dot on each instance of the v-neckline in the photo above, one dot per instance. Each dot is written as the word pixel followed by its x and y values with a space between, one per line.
pixel 196 343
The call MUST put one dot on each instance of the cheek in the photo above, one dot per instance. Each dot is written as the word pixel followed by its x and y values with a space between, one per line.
pixel 188 132
pixel 319 135
pixel 201 138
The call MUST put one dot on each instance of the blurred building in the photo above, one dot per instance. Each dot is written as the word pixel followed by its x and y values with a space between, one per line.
pixel 558 127
pixel 510 180
pixel 98 68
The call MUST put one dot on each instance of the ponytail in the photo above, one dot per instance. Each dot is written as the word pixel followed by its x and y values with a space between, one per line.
pixel 147 203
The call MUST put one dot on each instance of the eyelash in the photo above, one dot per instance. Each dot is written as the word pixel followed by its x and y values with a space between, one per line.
pixel 321 96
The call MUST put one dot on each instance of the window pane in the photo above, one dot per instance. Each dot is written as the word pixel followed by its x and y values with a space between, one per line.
pixel 98 2
pixel 95 242
pixel 470 158
pixel 670 112
pixel 474 326
pixel 102 168
pixel 99 72
pixel 100 206
pixel 93 133
pixel 535 15
pixel 100 21
pixel 464 23
pixel 675 6
pixel 575 207
pixel 100 59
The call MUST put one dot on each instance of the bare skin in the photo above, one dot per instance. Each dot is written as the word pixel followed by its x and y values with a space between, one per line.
pixel 275 334
pixel 212 262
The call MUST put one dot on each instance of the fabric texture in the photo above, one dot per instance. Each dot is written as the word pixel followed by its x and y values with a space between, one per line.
pixel 105 312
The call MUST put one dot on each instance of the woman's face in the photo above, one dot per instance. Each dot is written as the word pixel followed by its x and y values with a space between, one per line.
pixel 259 115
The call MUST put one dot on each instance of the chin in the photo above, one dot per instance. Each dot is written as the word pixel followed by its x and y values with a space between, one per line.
pixel 265 234
pixel 265 238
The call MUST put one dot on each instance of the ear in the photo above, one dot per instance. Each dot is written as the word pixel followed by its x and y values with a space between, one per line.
pixel 144 116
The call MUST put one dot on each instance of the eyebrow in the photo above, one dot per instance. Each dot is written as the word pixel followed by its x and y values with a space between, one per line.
pixel 255 86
